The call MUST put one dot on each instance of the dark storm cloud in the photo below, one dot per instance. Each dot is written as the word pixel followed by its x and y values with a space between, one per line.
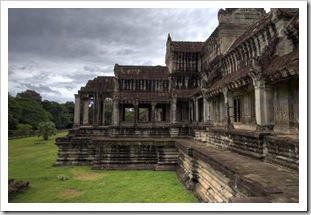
pixel 40 88
pixel 80 44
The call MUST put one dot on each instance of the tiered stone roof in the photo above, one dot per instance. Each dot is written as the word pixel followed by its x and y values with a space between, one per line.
pixel 254 29
pixel 101 84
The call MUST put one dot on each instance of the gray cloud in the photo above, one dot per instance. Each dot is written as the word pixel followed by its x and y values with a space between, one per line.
pixel 41 88
pixel 56 51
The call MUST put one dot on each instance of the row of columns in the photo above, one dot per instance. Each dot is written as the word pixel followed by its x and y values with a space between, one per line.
pixel 99 108
pixel 117 110
pixel 263 108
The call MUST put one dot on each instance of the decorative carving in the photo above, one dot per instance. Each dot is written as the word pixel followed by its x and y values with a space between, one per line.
pixel 281 114
pixel 255 72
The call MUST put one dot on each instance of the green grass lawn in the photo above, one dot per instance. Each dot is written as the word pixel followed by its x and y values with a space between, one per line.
pixel 33 162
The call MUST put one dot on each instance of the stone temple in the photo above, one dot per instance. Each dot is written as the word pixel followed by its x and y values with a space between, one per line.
pixel 223 114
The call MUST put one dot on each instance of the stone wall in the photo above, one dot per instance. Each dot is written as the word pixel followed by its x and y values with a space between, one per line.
pixel 75 151
pixel 105 153
pixel 283 151
pixel 286 105
pixel 208 184
pixel 210 180
pixel 268 147
pixel 211 171
pixel 216 175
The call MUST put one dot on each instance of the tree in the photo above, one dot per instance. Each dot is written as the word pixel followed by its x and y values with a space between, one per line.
pixel 46 129
pixel 67 116
pixel 14 113
pixel 31 95
pixel 23 130
pixel 62 114
pixel 32 113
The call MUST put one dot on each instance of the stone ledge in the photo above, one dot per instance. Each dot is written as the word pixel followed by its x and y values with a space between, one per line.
pixel 246 133
pixel 249 177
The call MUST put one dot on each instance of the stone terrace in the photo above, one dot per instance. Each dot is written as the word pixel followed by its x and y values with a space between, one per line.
pixel 235 178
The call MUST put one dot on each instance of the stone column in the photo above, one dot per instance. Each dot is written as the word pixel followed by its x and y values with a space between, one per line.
pixel 190 110
pixel 169 84
pixel 264 106
pixel 173 110
pixel 153 114
pixel 208 111
pixel 103 111
pixel 96 110
pixel 212 112
pixel 76 121
pixel 204 110
pixel 136 112
pixel 115 112
pixel 196 105
pixel 85 111
pixel 229 108
pixel 263 98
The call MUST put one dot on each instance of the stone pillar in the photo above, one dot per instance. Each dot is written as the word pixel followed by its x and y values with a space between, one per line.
pixel 115 112
pixel 153 114
pixel 190 111
pixel 173 110
pixel 96 110
pixel 204 110
pixel 196 105
pixel 85 111
pixel 136 114
pixel 208 111
pixel 229 108
pixel 264 106
pixel 103 111
pixel 212 112
pixel 263 98
pixel 169 84
pixel 76 121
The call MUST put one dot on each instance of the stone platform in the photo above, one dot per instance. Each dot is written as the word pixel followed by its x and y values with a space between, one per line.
pixel 220 175
pixel 211 172
pixel 103 153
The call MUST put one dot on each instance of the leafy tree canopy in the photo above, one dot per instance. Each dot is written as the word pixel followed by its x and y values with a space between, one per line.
pixel 46 129
pixel 23 129
pixel 32 112
pixel 14 113
pixel 62 114
pixel 31 95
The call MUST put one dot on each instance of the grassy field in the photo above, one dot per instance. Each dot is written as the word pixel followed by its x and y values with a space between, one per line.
pixel 33 162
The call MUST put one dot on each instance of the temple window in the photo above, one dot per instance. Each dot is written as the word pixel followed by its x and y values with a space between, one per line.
pixel 144 114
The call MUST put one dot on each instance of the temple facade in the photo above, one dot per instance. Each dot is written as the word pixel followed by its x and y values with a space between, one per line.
pixel 219 113
pixel 244 76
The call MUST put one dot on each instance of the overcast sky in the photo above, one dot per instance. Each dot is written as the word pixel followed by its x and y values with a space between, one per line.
pixel 56 51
